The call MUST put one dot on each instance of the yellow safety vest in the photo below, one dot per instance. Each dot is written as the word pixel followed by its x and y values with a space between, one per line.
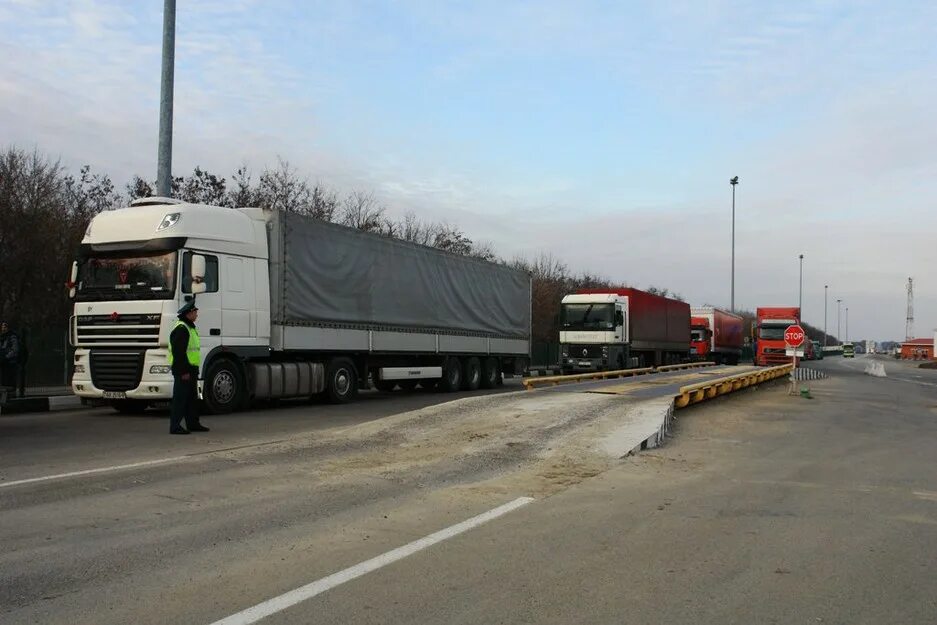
pixel 193 351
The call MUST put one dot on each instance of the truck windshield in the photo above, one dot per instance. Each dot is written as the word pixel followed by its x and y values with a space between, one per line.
pixel 769 333
pixel 698 335
pixel 108 278
pixel 587 316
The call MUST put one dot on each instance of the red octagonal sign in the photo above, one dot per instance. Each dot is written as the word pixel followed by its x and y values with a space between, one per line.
pixel 794 335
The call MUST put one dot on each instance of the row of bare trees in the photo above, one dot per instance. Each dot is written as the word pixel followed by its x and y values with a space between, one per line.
pixel 45 210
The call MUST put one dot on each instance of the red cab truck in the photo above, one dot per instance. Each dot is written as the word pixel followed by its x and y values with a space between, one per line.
pixel 606 329
pixel 770 324
pixel 715 335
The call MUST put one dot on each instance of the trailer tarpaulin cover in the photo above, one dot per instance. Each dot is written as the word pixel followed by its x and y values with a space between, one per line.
pixel 335 274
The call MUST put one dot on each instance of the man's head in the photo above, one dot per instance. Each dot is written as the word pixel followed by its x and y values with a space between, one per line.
pixel 188 312
pixel 4 328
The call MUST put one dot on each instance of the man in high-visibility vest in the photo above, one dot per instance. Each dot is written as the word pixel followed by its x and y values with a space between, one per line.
pixel 184 358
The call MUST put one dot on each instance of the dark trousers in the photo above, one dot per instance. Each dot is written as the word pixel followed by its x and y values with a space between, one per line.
pixel 9 378
pixel 184 402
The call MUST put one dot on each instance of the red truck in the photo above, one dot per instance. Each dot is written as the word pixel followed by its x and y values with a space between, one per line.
pixel 715 335
pixel 770 324
pixel 602 329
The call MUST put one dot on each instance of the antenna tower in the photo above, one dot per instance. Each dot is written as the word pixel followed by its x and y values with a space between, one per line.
pixel 909 321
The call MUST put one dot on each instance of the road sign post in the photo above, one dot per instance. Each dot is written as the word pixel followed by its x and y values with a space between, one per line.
pixel 794 337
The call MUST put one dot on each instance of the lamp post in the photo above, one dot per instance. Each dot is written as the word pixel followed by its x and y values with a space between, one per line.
pixel 847 324
pixel 826 289
pixel 164 152
pixel 800 292
pixel 839 320
pixel 734 182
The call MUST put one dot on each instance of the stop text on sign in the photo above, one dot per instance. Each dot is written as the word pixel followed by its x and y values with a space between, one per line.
pixel 794 335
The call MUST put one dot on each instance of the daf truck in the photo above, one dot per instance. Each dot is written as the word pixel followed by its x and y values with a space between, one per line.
pixel 289 306
pixel 621 329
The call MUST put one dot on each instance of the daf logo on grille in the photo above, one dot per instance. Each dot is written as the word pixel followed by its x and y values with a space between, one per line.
pixel 585 351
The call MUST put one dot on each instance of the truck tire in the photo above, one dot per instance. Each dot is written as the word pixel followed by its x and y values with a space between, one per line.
pixel 129 406
pixel 341 381
pixel 490 373
pixel 224 388
pixel 451 375
pixel 472 370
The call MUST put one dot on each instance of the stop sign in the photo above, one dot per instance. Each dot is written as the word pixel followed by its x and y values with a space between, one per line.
pixel 794 335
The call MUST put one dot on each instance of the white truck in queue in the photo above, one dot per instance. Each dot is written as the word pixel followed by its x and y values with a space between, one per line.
pixel 289 306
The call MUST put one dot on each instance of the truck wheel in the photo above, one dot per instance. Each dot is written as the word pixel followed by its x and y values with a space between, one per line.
pixel 451 375
pixel 341 381
pixel 224 389
pixel 385 386
pixel 473 374
pixel 129 406
pixel 490 373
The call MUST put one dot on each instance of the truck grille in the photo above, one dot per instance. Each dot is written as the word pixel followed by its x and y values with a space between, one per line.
pixel 117 330
pixel 585 351
pixel 116 370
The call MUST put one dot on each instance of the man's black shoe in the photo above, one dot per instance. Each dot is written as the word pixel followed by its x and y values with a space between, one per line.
pixel 179 431
pixel 199 428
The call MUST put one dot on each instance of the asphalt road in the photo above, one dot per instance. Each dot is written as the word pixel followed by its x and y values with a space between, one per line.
pixel 763 508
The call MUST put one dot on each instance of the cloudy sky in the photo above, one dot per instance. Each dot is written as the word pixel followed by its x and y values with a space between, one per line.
pixel 602 132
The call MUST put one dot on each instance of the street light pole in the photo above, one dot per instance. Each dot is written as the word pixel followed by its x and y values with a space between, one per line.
pixel 164 155
pixel 800 297
pixel 826 289
pixel 847 324
pixel 839 320
pixel 733 181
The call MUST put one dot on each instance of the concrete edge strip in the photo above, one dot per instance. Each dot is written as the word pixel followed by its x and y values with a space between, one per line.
pixel 303 593
pixel 31 405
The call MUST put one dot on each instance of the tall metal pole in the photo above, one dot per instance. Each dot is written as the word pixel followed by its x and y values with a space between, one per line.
pixel 733 181
pixel 800 297
pixel 164 158
pixel 847 324
pixel 826 292
pixel 839 319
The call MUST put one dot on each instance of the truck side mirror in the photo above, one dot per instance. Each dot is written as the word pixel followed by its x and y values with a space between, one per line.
pixel 72 279
pixel 197 273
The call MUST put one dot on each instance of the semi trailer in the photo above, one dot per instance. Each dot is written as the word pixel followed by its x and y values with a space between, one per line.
pixel 622 329
pixel 289 306
pixel 715 335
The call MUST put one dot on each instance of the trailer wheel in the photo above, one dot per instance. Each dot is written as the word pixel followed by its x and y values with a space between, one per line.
pixel 452 375
pixel 473 374
pixel 341 381
pixel 224 388
pixel 490 373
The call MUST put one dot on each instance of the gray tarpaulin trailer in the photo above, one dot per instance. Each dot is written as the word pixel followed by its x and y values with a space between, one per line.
pixel 402 313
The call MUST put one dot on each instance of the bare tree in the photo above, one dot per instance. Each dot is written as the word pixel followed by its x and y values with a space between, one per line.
pixel 283 189
pixel 361 210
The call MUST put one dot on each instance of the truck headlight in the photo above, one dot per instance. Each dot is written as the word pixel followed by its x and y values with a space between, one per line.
pixel 79 369
pixel 158 369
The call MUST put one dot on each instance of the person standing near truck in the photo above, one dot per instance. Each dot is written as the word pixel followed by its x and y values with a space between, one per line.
pixel 184 358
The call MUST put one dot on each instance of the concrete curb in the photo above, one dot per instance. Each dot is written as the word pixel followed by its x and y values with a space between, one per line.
pixel 39 404
pixel 647 424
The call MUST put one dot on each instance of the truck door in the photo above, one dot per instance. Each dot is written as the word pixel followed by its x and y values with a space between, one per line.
pixel 209 302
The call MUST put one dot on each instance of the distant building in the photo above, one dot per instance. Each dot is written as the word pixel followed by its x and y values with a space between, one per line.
pixel 917 349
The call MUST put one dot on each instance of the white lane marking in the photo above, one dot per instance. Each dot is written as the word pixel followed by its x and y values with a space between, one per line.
pixel 118 467
pixel 298 595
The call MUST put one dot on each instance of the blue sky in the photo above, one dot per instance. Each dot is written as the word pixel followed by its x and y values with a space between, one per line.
pixel 601 132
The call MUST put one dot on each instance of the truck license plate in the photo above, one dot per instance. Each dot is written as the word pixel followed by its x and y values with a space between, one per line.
pixel 115 395
pixel 585 363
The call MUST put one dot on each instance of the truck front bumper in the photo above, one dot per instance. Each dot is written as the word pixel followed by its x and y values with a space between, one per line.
pixel 584 365
pixel 155 380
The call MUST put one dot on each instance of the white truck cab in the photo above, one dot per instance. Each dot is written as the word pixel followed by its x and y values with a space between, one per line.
pixel 136 268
